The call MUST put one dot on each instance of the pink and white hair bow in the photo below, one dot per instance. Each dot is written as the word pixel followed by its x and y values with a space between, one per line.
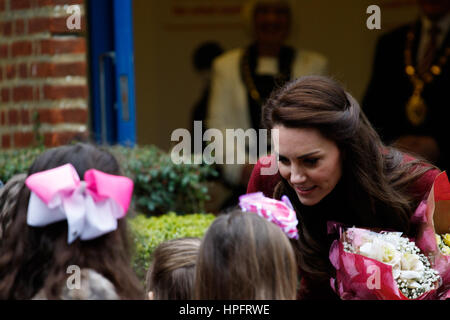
pixel 91 207
pixel 278 212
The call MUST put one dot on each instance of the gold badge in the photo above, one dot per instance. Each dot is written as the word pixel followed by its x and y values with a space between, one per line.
pixel 416 110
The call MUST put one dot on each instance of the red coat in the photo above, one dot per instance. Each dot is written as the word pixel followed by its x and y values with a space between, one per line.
pixel 266 184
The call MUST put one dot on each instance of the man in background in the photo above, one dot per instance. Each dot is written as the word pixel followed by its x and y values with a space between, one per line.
pixel 244 78
pixel 408 95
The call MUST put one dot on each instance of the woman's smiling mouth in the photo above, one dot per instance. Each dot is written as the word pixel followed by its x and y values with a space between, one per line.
pixel 305 190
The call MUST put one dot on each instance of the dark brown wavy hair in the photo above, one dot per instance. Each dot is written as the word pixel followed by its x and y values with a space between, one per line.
pixel 245 257
pixel 377 177
pixel 34 258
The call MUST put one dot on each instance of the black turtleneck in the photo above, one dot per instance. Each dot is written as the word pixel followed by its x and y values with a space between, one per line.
pixel 334 207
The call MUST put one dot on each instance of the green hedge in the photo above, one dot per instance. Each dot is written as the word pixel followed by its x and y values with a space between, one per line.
pixel 160 186
pixel 13 162
pixel 149 232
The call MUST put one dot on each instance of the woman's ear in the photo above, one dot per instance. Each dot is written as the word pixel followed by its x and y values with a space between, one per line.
pixel 151 296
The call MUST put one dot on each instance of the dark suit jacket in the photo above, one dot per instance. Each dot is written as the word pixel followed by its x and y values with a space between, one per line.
pixel 390 89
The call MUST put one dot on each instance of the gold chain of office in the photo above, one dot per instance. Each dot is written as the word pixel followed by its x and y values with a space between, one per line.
pixel 416 109
pixel 248 79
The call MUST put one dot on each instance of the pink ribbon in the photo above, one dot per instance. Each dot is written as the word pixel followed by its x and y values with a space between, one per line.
pixel 278 212
pixel 91 207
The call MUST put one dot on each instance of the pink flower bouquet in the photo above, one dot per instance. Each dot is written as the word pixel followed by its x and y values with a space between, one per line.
pixel 385 265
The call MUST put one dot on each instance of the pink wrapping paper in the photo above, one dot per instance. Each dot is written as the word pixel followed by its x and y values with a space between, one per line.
pixel 435 211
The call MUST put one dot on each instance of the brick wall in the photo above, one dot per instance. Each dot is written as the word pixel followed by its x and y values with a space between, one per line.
pixel 43 73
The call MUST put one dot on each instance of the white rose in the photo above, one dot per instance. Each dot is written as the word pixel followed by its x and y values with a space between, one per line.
pixel 384 252
pixel 412 262
pixel 411 266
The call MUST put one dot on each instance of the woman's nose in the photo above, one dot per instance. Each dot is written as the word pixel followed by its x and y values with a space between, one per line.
pixel 297 175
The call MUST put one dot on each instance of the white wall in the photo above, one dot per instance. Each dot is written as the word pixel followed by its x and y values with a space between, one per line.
pixel 167 86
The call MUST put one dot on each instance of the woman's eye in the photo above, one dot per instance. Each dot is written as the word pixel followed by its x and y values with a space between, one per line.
pixel 311 161
pixel 283 160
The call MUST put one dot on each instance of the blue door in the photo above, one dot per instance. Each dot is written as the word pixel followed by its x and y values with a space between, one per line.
pixel 111 55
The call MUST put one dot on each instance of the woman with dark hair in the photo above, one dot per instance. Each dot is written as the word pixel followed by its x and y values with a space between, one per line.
pixel 34 260
pixel 245 257
pixel 333 167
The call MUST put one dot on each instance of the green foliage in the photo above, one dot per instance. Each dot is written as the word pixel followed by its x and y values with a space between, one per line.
pixel 13 162
pixel 162 186
pixel 149 232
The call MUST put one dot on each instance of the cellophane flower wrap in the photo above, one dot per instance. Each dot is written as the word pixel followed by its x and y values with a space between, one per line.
pixel 278 212
pixel 433 219
pixel 380 266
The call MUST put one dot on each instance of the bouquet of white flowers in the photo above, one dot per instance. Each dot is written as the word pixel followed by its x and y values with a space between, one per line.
pixel 385 265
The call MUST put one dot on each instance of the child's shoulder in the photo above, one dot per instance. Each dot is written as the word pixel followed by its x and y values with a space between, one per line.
pixel 89 286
